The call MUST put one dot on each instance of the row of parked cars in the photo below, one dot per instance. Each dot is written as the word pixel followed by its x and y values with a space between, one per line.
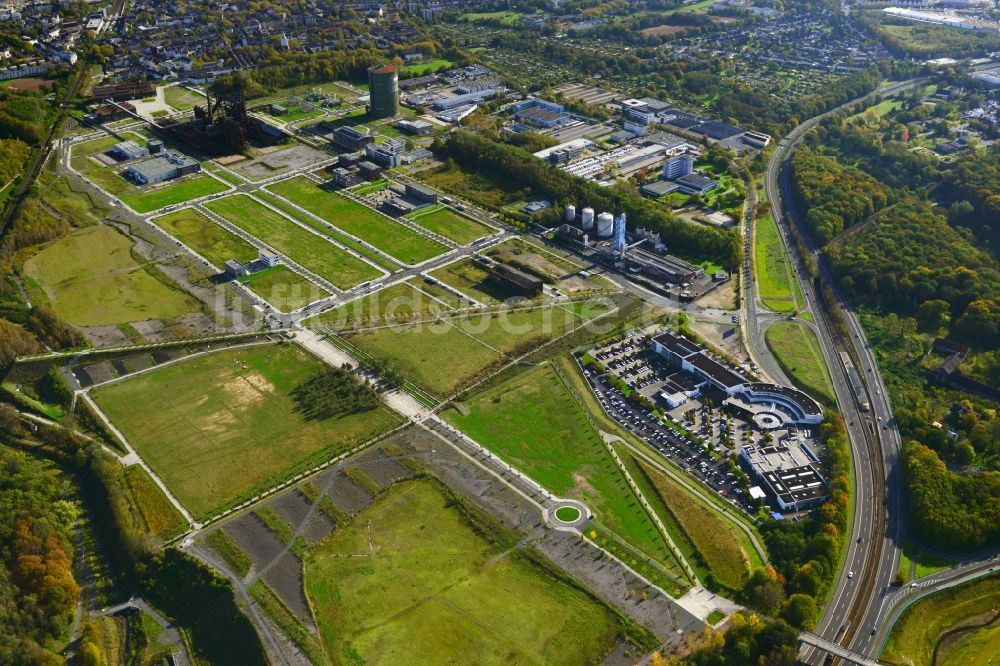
pixel 687 453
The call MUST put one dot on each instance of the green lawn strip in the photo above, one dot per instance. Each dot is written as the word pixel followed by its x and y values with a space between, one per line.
pixel 438 563
pixel 535 424
pixel 283 288
pixel 222 544
pixel 160 516
pixel 304 247
pixel 116 289
pixel 927 563
pixel 720 546
pixel 774 275
pixel 281 529
pixel 797 351
pixel 360 221
pixel 919 629
pixel 446 222
pixel 715 617
pixel 226 175
pixel 398 302
pixel 679 536
pixel 197 423
pixel 205 237
pixel 346 241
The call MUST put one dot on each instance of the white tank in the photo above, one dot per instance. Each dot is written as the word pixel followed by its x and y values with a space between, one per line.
pixel 587 218
pixel 605 225
pixel 570 212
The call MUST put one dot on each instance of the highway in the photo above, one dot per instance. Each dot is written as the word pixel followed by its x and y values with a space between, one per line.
pixel 872 556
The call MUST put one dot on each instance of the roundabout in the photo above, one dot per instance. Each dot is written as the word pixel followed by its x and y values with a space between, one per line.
pixel 568 514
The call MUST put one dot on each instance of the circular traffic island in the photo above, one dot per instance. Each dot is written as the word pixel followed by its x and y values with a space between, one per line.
pixel 567 514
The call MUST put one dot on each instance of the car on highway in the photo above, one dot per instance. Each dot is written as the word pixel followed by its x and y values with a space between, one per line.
pixel 850 574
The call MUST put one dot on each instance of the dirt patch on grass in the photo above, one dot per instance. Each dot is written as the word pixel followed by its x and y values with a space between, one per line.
pixel 660 30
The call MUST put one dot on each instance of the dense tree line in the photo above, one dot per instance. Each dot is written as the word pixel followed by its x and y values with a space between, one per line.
pixel 333 392
pixel 909 255
pixel 749 640
pixel 23 116
pixel 804 554
pixel 13 154
pixel 833 197
pixel 971 190
pixel 923 40
pixel 37 588
pixel 480 154
pixel 954 511
pixel 879 147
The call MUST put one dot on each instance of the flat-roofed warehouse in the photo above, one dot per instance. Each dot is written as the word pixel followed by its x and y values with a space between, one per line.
pixel 508 276
pixel 165 166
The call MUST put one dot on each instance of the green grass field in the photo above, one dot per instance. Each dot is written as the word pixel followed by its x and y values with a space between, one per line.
pixel 453 226
pixel 343 239
pixel 304 247
pixel 220 427
pixel 716 541
pixel 468 346
pixel 797 351
pixel 774 275
pixel 471 279
pixel 431 589
pixel 152 507
pixel 182 99
pixel 112 290
pixel 507 18
pixel 920 628
pixel 284 288
pixel 534 423
pixel 391 237
pixel 205 237
pixel 433 65
pixel 399 302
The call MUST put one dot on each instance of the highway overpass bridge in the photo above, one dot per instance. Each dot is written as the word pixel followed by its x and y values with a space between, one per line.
pixel 837 650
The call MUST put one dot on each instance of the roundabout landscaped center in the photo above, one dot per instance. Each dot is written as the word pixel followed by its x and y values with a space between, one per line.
pixel 568 514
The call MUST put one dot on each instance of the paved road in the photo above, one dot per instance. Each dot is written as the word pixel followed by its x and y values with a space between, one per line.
pixel 873 552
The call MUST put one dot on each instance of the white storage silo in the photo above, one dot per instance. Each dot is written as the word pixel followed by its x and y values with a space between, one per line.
pixel 587 218
pixel 570 213
pixel 605 225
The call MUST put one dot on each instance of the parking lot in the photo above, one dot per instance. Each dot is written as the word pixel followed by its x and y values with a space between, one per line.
pixel 692 438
